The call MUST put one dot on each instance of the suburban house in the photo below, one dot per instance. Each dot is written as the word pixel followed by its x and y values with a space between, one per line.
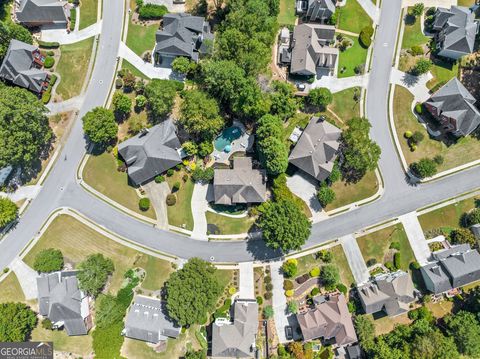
pixel 22 67
pixel 455 29
pixel 63 303
pixel 241 184
pixel 146 321
pixel 311 49
pixel 454 107
pixel 151 152
pixel 315 10
pixel 316 149
pixel 329 319
pixel 390 292
pixel 236 339
pixel 452 268
pixel 42 12
pixel 182 35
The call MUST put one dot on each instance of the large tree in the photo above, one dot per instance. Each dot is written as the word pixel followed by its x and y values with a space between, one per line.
pixel 122 105
pixel 100 126
pixel 93 273
pixel 284 225
pixel 284 103
pixel 161 95
pixel 272 151
pixel 192 292
pixel 48 260
pixel 16 322
pixel 8 211
pixel 320 97
pixel 465 330
pixel 24 129
pixel 9 31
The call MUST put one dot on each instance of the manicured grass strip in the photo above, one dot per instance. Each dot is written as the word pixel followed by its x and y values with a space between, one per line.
pixel 101 173
pixel 180 214
pixel 80 345
pixel 287 12
pixel 442 72
pixel 228 225
pixel 127 65
pixel 340 260
pixel 10 290
pixel 344 104
pixel 141 38
pixel 352 17
pixel 413 35
pixel 88 13
pixel 351 57
pixel 72 67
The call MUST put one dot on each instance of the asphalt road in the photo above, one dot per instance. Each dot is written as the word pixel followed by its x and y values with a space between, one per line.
pixel 61 189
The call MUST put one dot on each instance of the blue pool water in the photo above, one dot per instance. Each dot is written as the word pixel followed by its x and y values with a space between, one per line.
pixel 228 135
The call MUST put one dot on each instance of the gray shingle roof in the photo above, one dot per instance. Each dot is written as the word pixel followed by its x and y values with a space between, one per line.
pixel 320 10
pixel 183 35
pixel 146 320
pixel 454 101
pixel 19 68
pixel 436 277
pixel 4 173
pixel 316 149
pixel 151 152
pixel 61 301
pixel 42 12
pixel 242 184
pixel 237 339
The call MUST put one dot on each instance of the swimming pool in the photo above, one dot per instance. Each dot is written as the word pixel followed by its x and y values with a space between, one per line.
pixel 227 137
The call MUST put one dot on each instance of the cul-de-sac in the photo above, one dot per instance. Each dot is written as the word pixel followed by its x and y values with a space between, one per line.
pixel 268 179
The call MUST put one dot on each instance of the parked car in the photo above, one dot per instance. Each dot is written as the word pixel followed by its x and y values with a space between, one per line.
pixel 300 87
pixel 288 332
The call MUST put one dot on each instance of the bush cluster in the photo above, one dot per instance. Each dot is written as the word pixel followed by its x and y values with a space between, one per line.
pixel 171 200
pixel 152 11
pixel 365 37
pixel 144 204
pixel 49 62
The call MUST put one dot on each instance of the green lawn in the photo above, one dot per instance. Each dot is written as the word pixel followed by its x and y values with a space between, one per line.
pixel 351 57
pixel 88 13
pixel 376 245
pixel 72 67
pixel 228 225
pixel 448 216
pixel 287 12
pixel 10 290
pixel 347 193
pixel 465 150
pixel 77 241
pixel 141 38
pixel 466 3
pixel 101 173
pixel 413 35
pixel 442 72
pixel 344 104
pixel 180 214
pixel 80 345
pixel 352 17
pixel 127 65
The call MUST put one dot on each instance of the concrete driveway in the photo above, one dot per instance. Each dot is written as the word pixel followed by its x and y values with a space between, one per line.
pixel 199 207
pixel 306 187
pixel 416 237
pixel 27 278
pixel 355 259
pixel 157 192
pixel 247 286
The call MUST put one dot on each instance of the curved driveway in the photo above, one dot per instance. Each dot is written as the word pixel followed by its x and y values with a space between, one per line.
pixel 61 189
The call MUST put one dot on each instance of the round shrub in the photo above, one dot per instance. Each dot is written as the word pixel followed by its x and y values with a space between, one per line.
pixel 287 284
pixel 473 217
pixel 315 291
pixel 289 293
pixel 176 187
pixel 419 108
pixel 424 168
pixel 268 295
pixel 144 204
pixel 315 272
pixel 371 262
pixel 395 245
pixel 118 83
pixel 170 172
pixel 397 260
pixel 438 159
pixel 416 50
pixel 259 300
pixel 232 290
pixel 48 260
pixel 269 286
pixel 408 134
pixel 413 148
pixel 159 179
pixel 415 265
pixel 289 268
pixel 171 200
pixel 325 195
pixel 417 137
pixel 50 53
pixel 47 324
pixel 342 288
pixel 267 279
pixel 390 266
pixel 185 178
pixel 49 62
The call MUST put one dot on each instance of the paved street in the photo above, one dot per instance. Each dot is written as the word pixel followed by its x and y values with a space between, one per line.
pixel 355 259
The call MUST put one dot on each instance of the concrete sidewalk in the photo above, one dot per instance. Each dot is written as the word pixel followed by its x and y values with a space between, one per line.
pixel 27 278
pixel 199 207
pixel 355 259
pixel 371 9
pixel 416 237
pixel 63 38
pixel 247 286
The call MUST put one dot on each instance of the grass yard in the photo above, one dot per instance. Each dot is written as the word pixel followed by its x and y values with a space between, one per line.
pixel 10 290
pixel 413 35
pixel 77 241
pixel 88 13
pixel 351 57
pixel 466 149
pixel 101 173
pixel 442 72
pixel 127 65
pixel 80 345
pixel 344 104
pixel 287 12
pixel 466 3
pixel 352 17
pixel 440 309
pixel 347 193
pixel 72 67
pixel 228 225
pixel 376 245
pixel 386 324
pixel 180 214
pixel 141 38
pixel 448 216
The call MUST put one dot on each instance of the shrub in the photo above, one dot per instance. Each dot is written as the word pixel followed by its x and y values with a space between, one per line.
pixel 185 178
pixel 190 148
pixel 5 270
pixel 422 67
pixel 232 290
pixel 176 187
pixel 417 9
pixel 140 101
pixel 473 217
pixel 48 45
pixel 415 265
pixel 325 195
pixel 397 260
pixel 48 260
pixel 289 268
pixel 320 97
pixel 462 235
pixel 205 148
pixel 292 307
pixel 47 324
pixel 269 287
pixel 424 168
pixel 365 37
pixel 315 272
pixel 46 96
pixel 50 53
pixel 144 204
pixel 259 300
pixel 289 293
pixel 118 83
pixel 342 288
pixel 407 134
pixel 181 65
pixel 417 137
pixel 152 11
pixel 371 262
pixel 315 291
pixel 170 172
pixel 287 284
pixel 419 108
pixel 325 256
pixel 351 307
pixel 329 275
pixel 268 312
pixel 203 174
pixel 171 199
pixel 395 245
pixel 390 266
pixel 268 295
pixel 129 81
pixel 438 159
pixel 359 69
pixel 267 279
pixel 416 50
pixel 159 179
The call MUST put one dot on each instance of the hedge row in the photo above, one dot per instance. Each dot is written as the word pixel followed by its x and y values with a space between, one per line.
pixel 366 36
pixel 48 92
pixel 152 11
pixel 48 45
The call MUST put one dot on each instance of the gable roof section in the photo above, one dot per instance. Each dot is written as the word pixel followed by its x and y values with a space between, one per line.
pixel 236 339
pixel 320 9
pixel 42 11
pixel 242 184
pixel 316 149
pixel 151 152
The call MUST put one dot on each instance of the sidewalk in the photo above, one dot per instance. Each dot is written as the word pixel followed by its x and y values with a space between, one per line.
pixel 355 259
pixel 371 9
pixel 199 207
pixel 415 237
pixel 247 286
pixel 63 38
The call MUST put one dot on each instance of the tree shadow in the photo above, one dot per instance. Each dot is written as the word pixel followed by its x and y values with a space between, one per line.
pixel 410 20
pixel 260 251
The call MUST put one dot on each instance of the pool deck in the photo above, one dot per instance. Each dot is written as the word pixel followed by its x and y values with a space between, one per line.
pixel 241 144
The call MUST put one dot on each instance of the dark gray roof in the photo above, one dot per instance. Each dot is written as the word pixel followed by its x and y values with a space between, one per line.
pixel 435 278
pixel 19 66
pixel 146 320
pixel 4 173
pixel 242 184
pixel 151 152
pixel 61 301
pixel 237 339
pixel 457 29
pixel 310 48
pixel 454 101
pixel 391 292
pixel 183 35
pixel 316 149
pixel 320 10
pixel 42 11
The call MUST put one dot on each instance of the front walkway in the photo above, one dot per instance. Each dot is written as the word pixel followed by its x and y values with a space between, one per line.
pixel 157 192
pixel 305 187
pixel 335 84
pixel 416 237
pixel 246 282
pixel 279 301
pixel 61 35
pixel 27 278
pixel 355 259
pixel 417 85
pixel 199 207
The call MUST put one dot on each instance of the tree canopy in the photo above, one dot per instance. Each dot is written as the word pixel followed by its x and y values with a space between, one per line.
pixel 192 292
pixel 48 260
pixel 320 97
pixel 284 104
pixel 465 330
pixel 9 31
pixel 24 128
pixel 8 211
pixel 16 322
pixel 93 273
pixel 272 151
pixel 160 95
pixel 100 126
pixel 424 168
pixel 122 104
